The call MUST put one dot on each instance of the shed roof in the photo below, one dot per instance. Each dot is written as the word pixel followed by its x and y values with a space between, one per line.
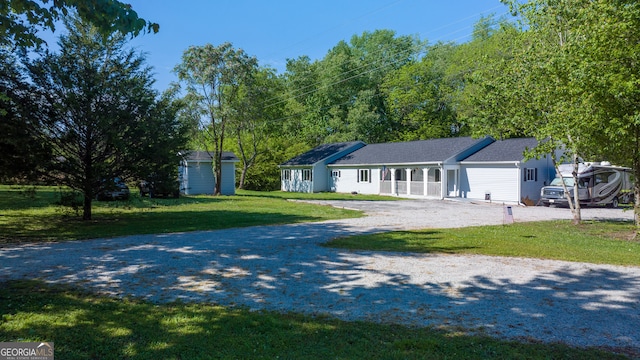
pixel 208 156
pixel 503 150
pixel 412 152
pixel 320 153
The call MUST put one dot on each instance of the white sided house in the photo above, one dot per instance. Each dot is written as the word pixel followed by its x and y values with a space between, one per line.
pixel 438 168
pixel 500 173
pixel 308 172
pixel 197 177
pixel 425 168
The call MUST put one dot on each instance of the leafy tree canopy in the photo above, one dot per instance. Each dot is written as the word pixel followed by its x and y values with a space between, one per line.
pixel 20 20
pixel 214 78
pixel 102 117
pixel 24 153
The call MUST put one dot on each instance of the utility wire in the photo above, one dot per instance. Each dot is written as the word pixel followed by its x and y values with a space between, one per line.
pixel 349 78
pixel 318 85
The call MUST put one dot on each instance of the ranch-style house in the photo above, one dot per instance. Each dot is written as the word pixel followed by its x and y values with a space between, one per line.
pixel 464 167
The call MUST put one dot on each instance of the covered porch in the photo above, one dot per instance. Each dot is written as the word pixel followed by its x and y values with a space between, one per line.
pixel 415 181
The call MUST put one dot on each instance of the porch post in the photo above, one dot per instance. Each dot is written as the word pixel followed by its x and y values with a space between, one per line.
pixel 425 178
pixel 444 183
pixel 394 188
pixel 408 171
pixel 456 184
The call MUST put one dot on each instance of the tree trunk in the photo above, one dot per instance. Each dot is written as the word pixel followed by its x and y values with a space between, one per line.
pixel 88 176
pixel 219 144
pixel 86 208
pixel 636 196
pixel 218 190
pixel 635 168
pixel 574 204
pixel 577 215
pixel 218 172
pixel 243 176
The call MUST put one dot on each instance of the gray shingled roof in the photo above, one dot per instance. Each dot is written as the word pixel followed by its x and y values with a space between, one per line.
pixel 504 150
pixel 320 153
pixel 412 152
pixel 207 156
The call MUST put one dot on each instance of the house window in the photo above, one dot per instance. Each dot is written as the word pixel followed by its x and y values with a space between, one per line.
pixel 364 175
pixel 286 174
pixel 335 173
pixel 530 174
pixel 307 175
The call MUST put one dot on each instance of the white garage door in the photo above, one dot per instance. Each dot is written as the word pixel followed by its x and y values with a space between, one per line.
pixel 502 183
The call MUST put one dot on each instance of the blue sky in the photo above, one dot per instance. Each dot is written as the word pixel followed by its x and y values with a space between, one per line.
pixel 275 31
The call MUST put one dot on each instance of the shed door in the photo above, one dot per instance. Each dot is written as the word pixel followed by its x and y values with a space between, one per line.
pixel 201 179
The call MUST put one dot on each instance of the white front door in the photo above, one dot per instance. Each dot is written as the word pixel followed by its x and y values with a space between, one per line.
pixel 452 183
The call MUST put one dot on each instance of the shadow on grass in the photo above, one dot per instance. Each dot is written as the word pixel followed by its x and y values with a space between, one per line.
pixel 400 241
pixel 17 229
pixel 84 326
pixel 147 216
pixel 21 198
pixel 282 268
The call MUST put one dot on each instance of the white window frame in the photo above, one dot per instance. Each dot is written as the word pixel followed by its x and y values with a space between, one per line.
pixel 531 174
pixel 286 174
pixel 335 173
pixel 307 175
pixel 364 175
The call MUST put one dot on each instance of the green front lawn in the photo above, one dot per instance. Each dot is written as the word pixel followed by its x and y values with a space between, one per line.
pixel 594 241
pixel 86 326
pixel 35 216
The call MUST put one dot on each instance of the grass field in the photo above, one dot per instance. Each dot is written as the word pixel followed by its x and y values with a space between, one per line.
pixel 598 242
pixel 85 325
pixel 27 215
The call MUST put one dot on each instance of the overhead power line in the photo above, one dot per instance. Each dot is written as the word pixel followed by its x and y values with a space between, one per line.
pixel 317 86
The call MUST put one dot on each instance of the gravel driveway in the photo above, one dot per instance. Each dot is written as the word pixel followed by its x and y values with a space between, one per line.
pixel 282 268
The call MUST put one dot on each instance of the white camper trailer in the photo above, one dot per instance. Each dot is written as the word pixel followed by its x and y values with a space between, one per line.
pixel 598 184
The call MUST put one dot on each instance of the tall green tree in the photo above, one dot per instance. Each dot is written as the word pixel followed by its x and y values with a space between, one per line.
pixel 527 85
pixel 20 20
pixel 24 154
pixel 608 77
pixel 487 85
pixel 154 145
pixel 256 123
pixel 99 105
pixel 213 78
pixel 420 97
pixel 366 61
pixel 302 101
pixel 348 79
